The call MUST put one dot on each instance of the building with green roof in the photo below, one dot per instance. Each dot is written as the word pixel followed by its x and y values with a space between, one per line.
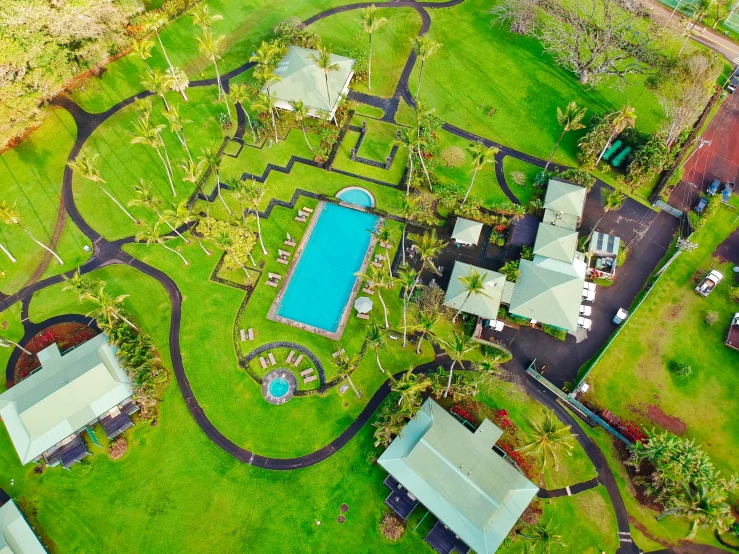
pixel 302 80
pixel 555 242
pixel 564 204
pixel 466 231
pixel 45 412
pixel 457 476
pixel 16 536
pixel 483 305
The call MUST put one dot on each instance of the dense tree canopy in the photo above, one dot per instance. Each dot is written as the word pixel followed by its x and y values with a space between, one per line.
pixel 44 43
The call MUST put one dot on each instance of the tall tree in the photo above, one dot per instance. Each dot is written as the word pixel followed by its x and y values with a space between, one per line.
pixel 473 285
pixel 240 94
pixel 704 508
pixel 410 141
pixel 409 386
pixel 7 343
pixel 267 103
pixel 224 241
pixel 481 156
pixel 569 120
pixel 151 135
pixel 550 438
pixel 177 126
pixel 384 235
pixel 408 278
pixel 542 535
pixel 152 22
pixel 424 47
pixel 254 194
pixel 158 83
pixel 86 167
pixel 324 62
pixel 108 307
pixel 178 81
pixel 426 320
pixel 152 235
pixel 371 22
pixel 379 278
pixel 409 208
pixel 428 246
pixel 456 346
pixel 612 200
pixel 202 17
pixel 182 215
pixel 619 121
pixel 346 365
pixel 142 48
pixel 211 160
pixel 210 47
pixel 10 215
pixel 301 113
pixel 376 340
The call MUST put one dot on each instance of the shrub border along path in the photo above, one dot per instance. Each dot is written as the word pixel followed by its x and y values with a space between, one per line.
pixel 109 252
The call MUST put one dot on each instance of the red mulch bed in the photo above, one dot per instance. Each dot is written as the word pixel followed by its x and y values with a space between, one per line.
pixel 65 335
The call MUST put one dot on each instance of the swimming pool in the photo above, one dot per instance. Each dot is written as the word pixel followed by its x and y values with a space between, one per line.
pixel 322 282
pixel 357 196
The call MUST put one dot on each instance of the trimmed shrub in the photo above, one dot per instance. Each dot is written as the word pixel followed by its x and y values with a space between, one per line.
pixel 734 294
pixel 711 318
pixel 519 177
pixel 682 369
pixel 602 282
pixel 392 526
pixel 556 332
pixel 496 353
pixel 452 156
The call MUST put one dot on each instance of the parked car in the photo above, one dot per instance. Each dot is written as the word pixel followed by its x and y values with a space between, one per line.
pixel 713 187
pixel 701 205
pixel 733 84
pixel 726 192
pixel 621 314
pixel 709 283
pixel 732 338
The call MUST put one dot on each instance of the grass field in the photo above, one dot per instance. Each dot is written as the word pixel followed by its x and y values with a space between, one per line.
pixel 633 378
pixel 31 176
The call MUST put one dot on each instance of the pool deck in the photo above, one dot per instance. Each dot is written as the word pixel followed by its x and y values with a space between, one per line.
pixel 280 373
pixel 336 335
pixel 356 206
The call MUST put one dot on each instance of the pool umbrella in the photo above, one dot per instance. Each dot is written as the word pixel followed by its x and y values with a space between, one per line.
pixel 363 304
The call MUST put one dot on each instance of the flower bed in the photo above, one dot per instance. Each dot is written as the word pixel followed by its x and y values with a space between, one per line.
pixel 65 335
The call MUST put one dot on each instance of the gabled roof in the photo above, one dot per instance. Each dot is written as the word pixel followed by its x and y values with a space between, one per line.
pixel 458 477
pixel 467 231
pixel 16 536
pixel 550 291
pixel 565 198
pixel 483 306
pixel 302 80
pixel 556 242
pixel 604 245
pixel 66 394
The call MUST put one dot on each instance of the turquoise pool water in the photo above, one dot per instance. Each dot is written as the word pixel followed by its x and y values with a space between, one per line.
pixel 357 196
pixel 323 279
pixel 279 387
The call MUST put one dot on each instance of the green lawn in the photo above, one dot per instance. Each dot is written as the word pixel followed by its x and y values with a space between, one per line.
pixel 31 176
pixel 10 323
pixel 526 191
pixel 669 327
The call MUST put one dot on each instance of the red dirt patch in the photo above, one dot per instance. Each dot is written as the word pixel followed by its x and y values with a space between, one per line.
pixel 675 311
pixel 673 424
pixel 65 335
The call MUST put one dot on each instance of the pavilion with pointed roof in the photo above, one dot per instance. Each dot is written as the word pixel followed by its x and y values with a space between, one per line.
pixel 564 204
pixel 555 242
pixel 300 79
pixel 483 305
pixel 466 231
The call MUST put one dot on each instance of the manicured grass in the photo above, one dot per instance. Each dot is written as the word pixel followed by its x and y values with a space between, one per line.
pixel 526 191
pixel 377 145
pixel 669 327
pixel 243 30
pixel 31 176
pixel 123 164
pixel 390 44
pixel 10 324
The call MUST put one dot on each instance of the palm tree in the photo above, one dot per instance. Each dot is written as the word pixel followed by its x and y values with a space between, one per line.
pixel 152 235
pixel 146 198
pixel 409 140
pixel 384 236
pixel 426 320
pixel 612 200
pixel 86 167
pixel 389 424
pixel 421 115
pixel 142 106
pixel 109 307
pixel 703 508
pixel 408 278
pixel 243 224
pixel 550 438
pixel 191 170
pixel 410 386
pixel 152 22
pixel 151 135
pixel 376 340
pixel 267 103
pixel 8 254
pixel 212 160
pixel 346 365
pixel 301 113
pixel 481 156
pixel 428 246
pixel 623 118
pixel 224 241
pixel 473 284
pixel 178 81
pixel 371 22
pixel 210 47
pixel 254 194
pixel 326 65
pixel 158 83
pixel 177 126
pixel 11 216
pixel 142 48
pixel 424 47
pixel 543 535
pixel 408 208
pixel 266 54
pixel 456 347
pixel 569 120
pixel 238 95
pixel 202 18
pixel 380 279
pixel 81 284
pixel 182 215
pixel 511 269
pixel 7 343
pixel 487 372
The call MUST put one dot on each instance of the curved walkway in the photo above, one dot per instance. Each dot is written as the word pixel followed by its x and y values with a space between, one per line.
pixel 107 252
pixel 570 490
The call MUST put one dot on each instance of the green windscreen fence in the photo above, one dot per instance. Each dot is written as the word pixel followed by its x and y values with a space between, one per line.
pixel 732 22
pixel 686 7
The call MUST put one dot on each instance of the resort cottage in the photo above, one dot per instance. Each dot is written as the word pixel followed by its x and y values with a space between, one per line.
pixel 474 492
pixel 16 536
pixel 46 412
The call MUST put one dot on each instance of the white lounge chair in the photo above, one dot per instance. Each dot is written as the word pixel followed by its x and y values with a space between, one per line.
pixel 585 310
pixel 585 323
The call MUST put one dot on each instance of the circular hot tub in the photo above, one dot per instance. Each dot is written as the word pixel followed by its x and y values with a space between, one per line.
pixel 279 386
